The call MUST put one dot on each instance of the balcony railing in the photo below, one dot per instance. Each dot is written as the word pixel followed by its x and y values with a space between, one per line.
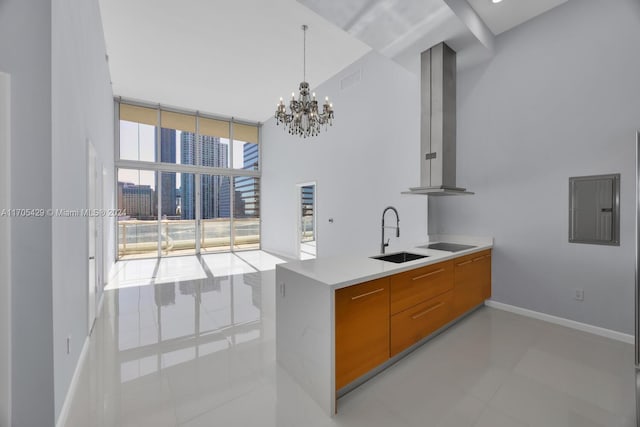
pixel 139 237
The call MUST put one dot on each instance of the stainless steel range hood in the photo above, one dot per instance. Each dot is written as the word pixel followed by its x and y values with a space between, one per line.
pixel 438 124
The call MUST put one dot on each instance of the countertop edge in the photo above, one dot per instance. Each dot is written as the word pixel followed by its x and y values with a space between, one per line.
pixel 434 257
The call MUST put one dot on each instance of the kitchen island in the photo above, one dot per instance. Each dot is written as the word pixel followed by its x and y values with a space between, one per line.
pixel 341 320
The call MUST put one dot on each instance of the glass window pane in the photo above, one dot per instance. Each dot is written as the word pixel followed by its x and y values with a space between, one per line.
pixel 245 155
pixel 215 151
pixel 138 229
pixel 307 222
pixel 187 196
pixel 169 186
pixel 168 146
pixel 178 234
pixel 137 141
pixel 246 212
pixel 186 148
pixel 178 147
pixel 307 210
pixel 215 208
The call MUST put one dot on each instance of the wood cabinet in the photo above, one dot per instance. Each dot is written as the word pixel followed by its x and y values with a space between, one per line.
pixel 411 325
pixel 472 281
pixel 361 328
pixel 376 320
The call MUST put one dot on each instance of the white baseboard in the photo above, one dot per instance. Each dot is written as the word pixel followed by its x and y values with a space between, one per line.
pixel 98 309
pixel 100 301
pixel 64 412
pixel 596 330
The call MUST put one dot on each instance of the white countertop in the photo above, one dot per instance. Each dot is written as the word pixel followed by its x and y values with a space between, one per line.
pixel 339 272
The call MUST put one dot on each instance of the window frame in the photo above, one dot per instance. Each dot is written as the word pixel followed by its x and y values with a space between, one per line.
pixel 198 170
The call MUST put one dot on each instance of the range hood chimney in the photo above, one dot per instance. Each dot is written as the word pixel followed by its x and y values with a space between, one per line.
pixel 438 124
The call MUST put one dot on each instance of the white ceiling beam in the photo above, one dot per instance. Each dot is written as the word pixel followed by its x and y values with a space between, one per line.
pixel 473 22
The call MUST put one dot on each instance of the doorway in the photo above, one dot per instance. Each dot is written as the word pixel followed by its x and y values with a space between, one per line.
pixel 94 231
pixel 307 232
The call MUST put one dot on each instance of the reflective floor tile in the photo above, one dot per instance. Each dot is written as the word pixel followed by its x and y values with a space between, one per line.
pixel 199 350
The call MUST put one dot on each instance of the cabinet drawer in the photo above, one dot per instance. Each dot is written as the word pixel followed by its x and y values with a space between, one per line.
pixel 415 323
pixel 416 286
pixel 362 329
pixel 478 256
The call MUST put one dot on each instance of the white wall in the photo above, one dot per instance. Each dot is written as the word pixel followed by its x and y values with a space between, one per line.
pixel 82 110
pixel 60 96
pixel 560 98
pixel 5 255
pixel 360 165
pixel 25 53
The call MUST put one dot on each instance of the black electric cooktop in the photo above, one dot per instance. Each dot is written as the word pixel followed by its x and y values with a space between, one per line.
pixel 449 247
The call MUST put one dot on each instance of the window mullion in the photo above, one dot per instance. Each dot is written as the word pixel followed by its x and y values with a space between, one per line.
pixel 159 184
pixel 232 195
pixel 198 185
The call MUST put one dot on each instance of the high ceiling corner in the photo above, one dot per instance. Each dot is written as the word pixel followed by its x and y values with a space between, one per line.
pixel 235 58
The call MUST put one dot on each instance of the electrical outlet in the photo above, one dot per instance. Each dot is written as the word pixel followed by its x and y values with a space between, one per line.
pixel 579 296
pixel 69 344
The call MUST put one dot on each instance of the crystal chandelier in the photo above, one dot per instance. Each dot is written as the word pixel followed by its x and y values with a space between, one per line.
pixel 304 119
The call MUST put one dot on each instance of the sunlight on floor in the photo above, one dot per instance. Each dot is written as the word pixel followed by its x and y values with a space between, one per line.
pixel 141 272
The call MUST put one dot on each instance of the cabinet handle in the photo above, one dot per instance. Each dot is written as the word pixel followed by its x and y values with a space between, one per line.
pixel 428 310
pixel 464 263
pixel 428 274
pixel 366 294
pixel 478 259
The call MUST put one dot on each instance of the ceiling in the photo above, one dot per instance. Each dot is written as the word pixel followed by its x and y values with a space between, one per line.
pixel 235 58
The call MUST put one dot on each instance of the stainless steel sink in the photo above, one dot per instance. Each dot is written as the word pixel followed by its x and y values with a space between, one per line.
pixel 399 257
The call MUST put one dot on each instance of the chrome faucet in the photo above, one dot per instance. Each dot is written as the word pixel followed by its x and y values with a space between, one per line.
pixel 397 227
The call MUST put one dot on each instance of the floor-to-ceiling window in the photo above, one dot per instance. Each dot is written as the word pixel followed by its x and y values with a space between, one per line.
pixel 187 182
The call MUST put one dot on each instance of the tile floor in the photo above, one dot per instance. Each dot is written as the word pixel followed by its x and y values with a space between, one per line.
pixel 190 342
